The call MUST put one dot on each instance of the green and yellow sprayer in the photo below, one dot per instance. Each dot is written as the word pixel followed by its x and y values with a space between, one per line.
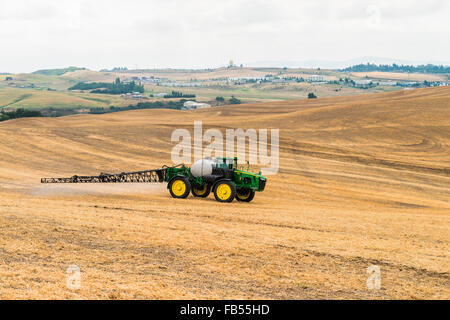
pixel 219 175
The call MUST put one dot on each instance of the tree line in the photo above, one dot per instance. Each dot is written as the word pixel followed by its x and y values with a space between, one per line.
pixel 117 87
pixel 19 113
pixel 178 94
pixel 429 68
pixel 232 100
pixel 177 105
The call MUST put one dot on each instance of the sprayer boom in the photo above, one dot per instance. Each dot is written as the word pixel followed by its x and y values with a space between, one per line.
pixel 157 175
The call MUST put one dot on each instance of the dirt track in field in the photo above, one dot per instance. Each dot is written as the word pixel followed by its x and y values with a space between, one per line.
pixel 363 181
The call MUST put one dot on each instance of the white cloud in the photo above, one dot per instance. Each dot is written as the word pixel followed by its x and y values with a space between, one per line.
pixel 54 33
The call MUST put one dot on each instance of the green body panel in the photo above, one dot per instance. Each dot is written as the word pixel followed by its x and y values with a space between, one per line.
pixel 247 180
pixel 185 172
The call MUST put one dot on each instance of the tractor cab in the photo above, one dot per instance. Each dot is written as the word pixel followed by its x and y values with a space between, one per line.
pixel 227 163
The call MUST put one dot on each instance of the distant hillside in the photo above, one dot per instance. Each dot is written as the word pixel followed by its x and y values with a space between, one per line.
pixel 34 99
pixel 57 72
pixel 429 68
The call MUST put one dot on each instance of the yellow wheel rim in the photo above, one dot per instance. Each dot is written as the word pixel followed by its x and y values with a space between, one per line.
pixel 244 196
pixel 178 188
pixel 223 191
pixel 200 191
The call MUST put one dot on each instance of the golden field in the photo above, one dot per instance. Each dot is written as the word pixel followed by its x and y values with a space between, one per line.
pixel 364 180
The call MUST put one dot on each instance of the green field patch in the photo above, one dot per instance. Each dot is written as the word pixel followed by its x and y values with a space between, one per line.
pixel 105 101
pixel 22 97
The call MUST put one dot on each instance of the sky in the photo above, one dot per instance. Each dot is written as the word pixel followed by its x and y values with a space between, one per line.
pixel 39 34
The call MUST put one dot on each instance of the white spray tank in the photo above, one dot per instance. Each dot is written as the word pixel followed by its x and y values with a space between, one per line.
pixel 204 167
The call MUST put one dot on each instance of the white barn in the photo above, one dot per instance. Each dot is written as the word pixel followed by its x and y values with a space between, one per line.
pixel 190 105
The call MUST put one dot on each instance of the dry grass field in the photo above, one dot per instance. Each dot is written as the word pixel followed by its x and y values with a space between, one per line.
pixel 364 180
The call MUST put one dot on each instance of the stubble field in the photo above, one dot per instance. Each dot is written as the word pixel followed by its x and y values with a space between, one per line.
pixel 363 180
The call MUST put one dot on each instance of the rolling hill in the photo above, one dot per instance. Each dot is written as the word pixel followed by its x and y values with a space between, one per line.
pixel 364 180
pixel 14 98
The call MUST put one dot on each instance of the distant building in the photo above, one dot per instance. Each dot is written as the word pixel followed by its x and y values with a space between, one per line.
pixel 132 95
pixel 160 95
pixel 387 83
pixel 363 83
pixel 190 105
pixel 316 78
pixel 83 110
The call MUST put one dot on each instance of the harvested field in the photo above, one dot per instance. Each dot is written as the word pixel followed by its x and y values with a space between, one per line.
pixel 364 180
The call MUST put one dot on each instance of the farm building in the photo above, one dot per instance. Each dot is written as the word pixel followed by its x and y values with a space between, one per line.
pixel 363 83
pixel 190 105
pixel 316 78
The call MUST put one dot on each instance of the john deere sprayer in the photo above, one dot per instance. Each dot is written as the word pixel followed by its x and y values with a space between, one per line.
pixel 219 175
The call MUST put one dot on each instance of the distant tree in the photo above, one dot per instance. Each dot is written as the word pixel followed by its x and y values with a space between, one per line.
pixel 220 99
pixel 8 79
pixel 19 113
pixel 117 87
pixel 311 95
pixel 234 100
pixel 178 94
pixel 429 68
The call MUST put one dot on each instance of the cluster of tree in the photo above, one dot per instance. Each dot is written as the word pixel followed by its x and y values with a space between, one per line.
pixel 270 78
pixel 431 83
pixel 296 79
pixel 429 68
pixel 177 105
pixel 232 100
pixel 57 72
pixel 311 95
pixel 117 87
pixel 19 113
pixel 177 94
pixel 347 81
pixel 117 69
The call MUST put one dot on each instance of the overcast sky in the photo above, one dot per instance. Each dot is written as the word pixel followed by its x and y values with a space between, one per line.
pixel 36 34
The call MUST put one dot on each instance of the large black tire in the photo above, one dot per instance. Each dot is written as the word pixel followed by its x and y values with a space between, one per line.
pixel 179 187
pixel 202 192
pixel 245 195
pixel 224 191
